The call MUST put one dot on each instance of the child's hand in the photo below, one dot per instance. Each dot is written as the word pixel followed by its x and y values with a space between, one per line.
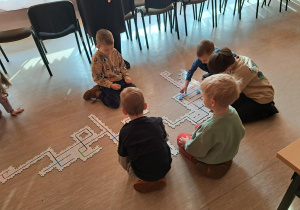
pixel 183 90
pixel 183 140
pixel 128 81
pixel 115 86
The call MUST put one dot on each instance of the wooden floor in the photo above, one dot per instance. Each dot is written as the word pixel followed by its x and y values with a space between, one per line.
pixel 54 109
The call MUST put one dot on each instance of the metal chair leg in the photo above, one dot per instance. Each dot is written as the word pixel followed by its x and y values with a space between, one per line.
pixel 143 19
pixel 43 56
pixel 4 54
pixel 88 42
pixel 137 31
pixel 77 42
pixel 1 64
pixel 184 14
pixel 83 43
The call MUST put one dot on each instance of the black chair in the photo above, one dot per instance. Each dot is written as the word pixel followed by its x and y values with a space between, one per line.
pixel 51 21
pixel 12 36
pixel 157 7
pixel 130 13
pixel 286 4
pixel 194 3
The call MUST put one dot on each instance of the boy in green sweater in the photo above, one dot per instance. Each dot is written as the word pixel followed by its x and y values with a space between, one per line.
pixel 215 142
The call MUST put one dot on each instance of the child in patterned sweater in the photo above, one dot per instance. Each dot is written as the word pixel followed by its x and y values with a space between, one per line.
pixel 108 71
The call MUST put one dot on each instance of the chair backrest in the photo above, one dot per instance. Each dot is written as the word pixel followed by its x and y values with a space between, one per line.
pixel 53 17
pixel 158 4
pixel 128 6
pixel 101 14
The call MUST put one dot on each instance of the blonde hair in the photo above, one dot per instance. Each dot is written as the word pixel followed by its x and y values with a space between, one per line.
pixel 104 36
pixel 4 84
pixel 205 47
pixel 132 101
pixel 223 88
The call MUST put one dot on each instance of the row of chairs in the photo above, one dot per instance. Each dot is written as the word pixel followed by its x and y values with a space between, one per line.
pixel 47 24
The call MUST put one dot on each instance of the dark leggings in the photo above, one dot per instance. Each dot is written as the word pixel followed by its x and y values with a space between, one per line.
pixel 111 97
pixel 249 110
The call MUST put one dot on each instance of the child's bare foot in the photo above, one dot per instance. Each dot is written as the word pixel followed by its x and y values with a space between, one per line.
pixel 16 112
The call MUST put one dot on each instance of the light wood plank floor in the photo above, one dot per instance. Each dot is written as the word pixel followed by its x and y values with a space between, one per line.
pixel 54 109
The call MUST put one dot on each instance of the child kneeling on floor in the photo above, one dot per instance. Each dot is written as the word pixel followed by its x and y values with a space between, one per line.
pixel 108 71
pixel 143 147
pixel 216 141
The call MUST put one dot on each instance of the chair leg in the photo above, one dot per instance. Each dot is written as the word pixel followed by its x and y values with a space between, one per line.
pixel 225 6
pixel 77 42
pixel 216 13
pixel 280 5
pixel 129 29
pixel 201 11
pixel 1 64
pixel 235 2
pixel 143 19
pixel 184 14
pixel 137 31
pixel 207 4
pixel 81 37
pixel 4 54
pixel 257 8
pixel 41 51
pixel 176 20
pixel 158 21
pixel 193 11
pixel 170 20
pixel 213 12
pixel 43 46
pixel 165 20
pixel 88 42
pixel 180 8
pixel 269 3
pixel 126 32
pixel 286 5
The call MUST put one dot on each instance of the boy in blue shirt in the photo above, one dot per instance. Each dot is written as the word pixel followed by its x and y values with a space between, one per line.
pixel 204 49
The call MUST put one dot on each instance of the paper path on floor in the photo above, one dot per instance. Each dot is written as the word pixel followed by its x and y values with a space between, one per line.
pixel 193 101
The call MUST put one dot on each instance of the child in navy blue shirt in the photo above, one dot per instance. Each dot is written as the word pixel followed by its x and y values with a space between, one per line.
pixel 204 49
pixel 143 147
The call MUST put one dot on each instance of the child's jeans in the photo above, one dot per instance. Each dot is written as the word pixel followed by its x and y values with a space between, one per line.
pixel 5 103
pixel 216 171
pixel 111 97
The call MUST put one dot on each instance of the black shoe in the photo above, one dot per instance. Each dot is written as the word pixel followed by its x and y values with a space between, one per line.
pixel 271 110
pixel 127 64
pixel 206 75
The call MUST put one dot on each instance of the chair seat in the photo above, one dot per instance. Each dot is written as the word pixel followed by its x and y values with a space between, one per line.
pixel 15 34
pixel 152 11
pixel 128 16
pixel 46 35
pixel 138 3
pixel 192 1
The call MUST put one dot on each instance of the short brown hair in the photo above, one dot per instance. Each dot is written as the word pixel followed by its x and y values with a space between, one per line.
pixel 223 88
pixel 220 60
pixel 205 47
pixel 104 36
pixel 132 101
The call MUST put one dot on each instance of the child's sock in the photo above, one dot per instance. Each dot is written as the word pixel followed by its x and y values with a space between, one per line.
pixel 146 187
